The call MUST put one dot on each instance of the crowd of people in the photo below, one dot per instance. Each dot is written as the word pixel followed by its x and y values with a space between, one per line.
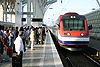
pixel 19 38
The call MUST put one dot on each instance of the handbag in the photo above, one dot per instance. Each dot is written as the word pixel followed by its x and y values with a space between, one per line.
pixel 9 52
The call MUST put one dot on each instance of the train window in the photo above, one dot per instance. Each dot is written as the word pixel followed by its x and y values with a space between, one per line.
pixel 73 24
pixel 76 22
pixel 66 24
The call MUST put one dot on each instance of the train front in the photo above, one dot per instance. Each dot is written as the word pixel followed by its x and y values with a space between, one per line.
pixel 73 31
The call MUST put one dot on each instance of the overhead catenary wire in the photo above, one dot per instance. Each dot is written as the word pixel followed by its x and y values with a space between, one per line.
pixel 98 3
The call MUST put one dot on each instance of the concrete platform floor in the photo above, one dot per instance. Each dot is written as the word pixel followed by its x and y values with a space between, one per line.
pixel 41 56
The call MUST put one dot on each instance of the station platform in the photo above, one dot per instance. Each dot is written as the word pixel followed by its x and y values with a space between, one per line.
pixel 44 55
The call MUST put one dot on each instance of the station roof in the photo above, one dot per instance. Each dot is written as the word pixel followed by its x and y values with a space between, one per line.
pixel 12 2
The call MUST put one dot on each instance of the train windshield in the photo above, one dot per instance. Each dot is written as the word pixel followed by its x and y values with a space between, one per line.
pixel 73 24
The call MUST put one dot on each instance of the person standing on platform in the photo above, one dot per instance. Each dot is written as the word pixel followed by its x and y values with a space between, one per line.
pixel 11 38
pixel 32 38
pixel 2 45
pixel 23 37
pixel 19 47
pixel 16 33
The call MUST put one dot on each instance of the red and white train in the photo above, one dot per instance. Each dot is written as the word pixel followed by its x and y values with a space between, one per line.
pixel 73 31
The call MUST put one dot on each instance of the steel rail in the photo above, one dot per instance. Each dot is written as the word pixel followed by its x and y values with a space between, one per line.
pixel 69 62
pixel 91 59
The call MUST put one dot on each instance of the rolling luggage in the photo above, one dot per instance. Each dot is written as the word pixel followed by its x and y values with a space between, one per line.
pixel 16 60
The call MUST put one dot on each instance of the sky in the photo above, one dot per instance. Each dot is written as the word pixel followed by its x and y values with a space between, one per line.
pixel 79 6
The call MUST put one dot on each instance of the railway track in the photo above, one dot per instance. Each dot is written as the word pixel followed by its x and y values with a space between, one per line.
pixel 75 59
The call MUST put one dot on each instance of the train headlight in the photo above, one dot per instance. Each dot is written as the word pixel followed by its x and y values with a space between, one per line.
pixel 68 34
pixel 82 34
pixel 72 17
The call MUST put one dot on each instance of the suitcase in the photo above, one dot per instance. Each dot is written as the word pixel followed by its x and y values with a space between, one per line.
pixel 9 52
pixel 16 60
